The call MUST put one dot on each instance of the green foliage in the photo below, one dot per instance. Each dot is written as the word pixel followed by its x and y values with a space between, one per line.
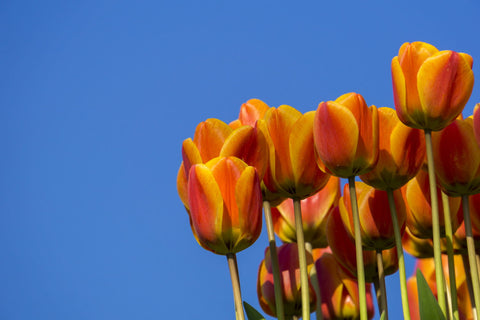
pixel 428 305
pixel 252 314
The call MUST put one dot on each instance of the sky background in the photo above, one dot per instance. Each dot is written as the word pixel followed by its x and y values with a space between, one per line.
pixel 96 98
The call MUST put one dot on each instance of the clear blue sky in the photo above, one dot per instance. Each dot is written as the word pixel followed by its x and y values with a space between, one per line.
pixel 96 98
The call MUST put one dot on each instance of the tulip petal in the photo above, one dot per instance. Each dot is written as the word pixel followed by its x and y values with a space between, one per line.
pixel 209 138
pixel 251 111
pixel 190 154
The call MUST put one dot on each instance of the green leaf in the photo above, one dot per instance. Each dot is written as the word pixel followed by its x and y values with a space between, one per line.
pixel 428 305
pixel 383 316
pixel 252 314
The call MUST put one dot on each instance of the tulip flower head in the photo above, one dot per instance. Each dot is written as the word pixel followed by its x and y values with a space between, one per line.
pixel 225 203
pixel 476 122
pixel 290 281
pixel 401 153
pixel 315 211
pixel 430 87
pixel 346 136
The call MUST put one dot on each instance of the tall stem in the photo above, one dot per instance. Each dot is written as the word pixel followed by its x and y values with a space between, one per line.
pixel 381 282
pixel 453 304
pixel 437 253
pixel 401 258
pixel 466 267
pixel 277 284
pixel 302 260
pixel 358 250
pixel 471 253
pixel 237 295
pixel 316 286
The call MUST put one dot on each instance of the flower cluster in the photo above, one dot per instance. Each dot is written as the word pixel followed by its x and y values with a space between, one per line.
pixel 419 166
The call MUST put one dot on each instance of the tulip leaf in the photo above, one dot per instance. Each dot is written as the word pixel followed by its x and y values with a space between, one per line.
pixel 428 305
pixel 252 314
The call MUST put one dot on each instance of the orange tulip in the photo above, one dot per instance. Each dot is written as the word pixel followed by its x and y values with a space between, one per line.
pixel 430 87
pixel 343 248
pixel 401 153
pixel 290 281
pixel 346 135
pixel 419 210
pixel 225 202
pixel 476 122
pixel 315 211
pixel 374 211
pixel 293 170
pixel 339 291
pixel 251 111
pixel 457 158
pixel 417 247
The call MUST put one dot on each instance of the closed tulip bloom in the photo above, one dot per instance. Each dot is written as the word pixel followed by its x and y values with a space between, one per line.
pixel 346 135
pixel 315 211
pixel 476 122
pixel 251 111
pixel 415 246
pixel 293 171
pixel 430 87
pixel 419 210
pixel 457 158
pixel 401 153
pixel 225 202
pixel 290 281
pixel 343 248
pixel 339 291
pixel 375 220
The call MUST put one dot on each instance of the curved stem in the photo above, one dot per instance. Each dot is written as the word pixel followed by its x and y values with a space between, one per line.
pixel 358 250
pixel 277 284
pixel 315 284
pixel 471 253
pixel 381 281
pixel 237 295
pixel 401 258
pixel 453 304
pixel 302 260
pixel 437 252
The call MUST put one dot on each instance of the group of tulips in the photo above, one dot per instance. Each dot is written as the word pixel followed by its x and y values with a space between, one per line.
pixel 419 167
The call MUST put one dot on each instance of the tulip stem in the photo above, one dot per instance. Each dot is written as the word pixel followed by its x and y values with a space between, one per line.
pixel 453 304
pixel 358 250
pixel 437 252
pixel 237 295
pixel 401 258
pixel 381 282
pixel 277 284
pixel 471 252
pixel 466 267
pixel 302 260
pixel 316 286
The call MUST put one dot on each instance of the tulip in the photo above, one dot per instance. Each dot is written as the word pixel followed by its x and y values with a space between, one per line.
pixel 225 203
pixel 415 246
pixel 457 158
pixel 343 248
pixel 315 211
pixel 375 222
pixel 419 211
pixel 430 87
pixel 339 291
pixel 290 282
pixel 346 135
pixel 401 153
pixel 476 122
pixel 293 171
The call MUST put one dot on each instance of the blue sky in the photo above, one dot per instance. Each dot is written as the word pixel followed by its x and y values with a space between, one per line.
pixel 96 98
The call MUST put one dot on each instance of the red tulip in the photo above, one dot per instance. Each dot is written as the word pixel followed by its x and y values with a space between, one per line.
pixel 225 203
pixel 430 87
pixel 346 135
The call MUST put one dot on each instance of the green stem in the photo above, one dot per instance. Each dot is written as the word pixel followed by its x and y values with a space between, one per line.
pixel 471 252
pixel 237 295
pixel 401 258
pixel 381 282
pixel 316 286
pixel 302 260
pixel 358 250
pixel 466 267
pixel 453 304
pixel 437 252
pixel 277 284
